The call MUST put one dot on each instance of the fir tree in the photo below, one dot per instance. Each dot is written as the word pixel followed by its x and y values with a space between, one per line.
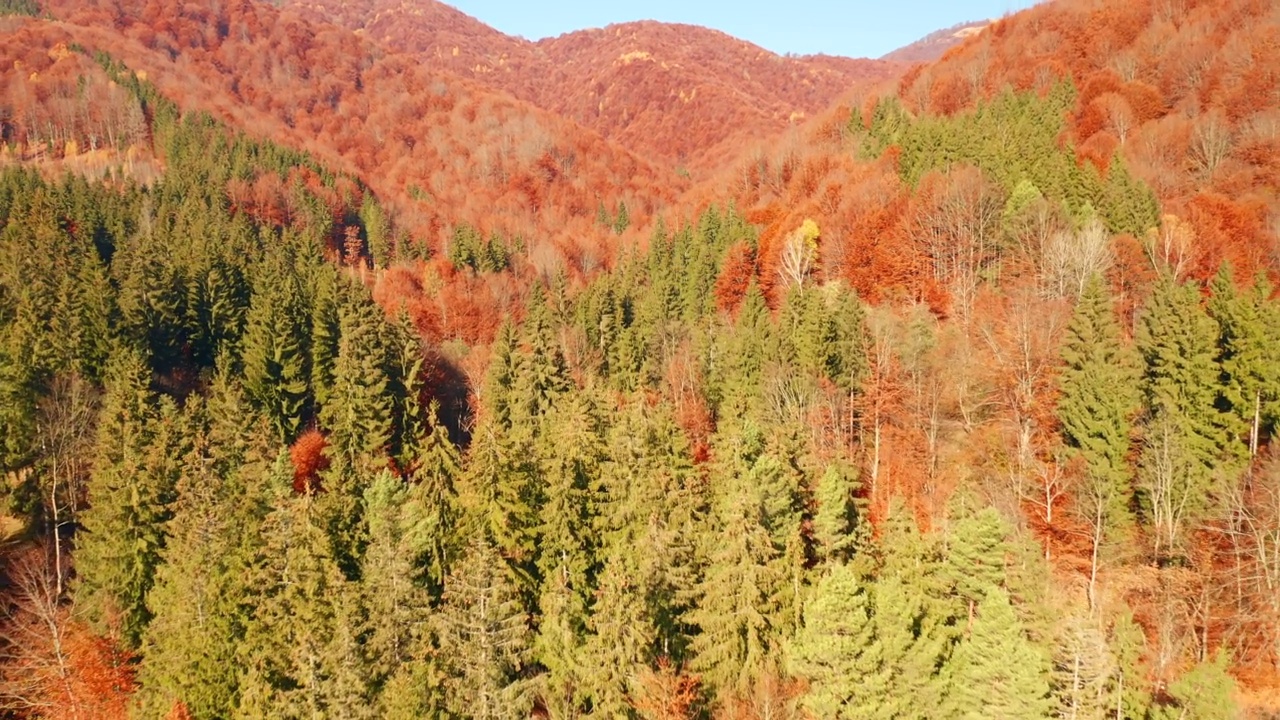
pixel 484 639
pixel 837 651
pixel 996 671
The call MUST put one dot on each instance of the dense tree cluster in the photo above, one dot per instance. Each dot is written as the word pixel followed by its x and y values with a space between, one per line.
pixel 980 436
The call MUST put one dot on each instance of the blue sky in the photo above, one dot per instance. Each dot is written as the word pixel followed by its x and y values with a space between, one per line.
pixel 857 28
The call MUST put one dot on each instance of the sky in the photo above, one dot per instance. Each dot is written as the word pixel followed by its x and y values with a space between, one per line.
pixel 855 28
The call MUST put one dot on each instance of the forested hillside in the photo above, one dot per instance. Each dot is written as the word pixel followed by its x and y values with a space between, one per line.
pixel 682 95
pixel 337 385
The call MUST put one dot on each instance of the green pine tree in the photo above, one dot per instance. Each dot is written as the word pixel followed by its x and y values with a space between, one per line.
pixel 996 671
pixel 484 639
pixel 837 652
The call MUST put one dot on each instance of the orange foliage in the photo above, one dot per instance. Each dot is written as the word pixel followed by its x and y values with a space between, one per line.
pixel 54 662
pixel 739 267
pixel 667 693
pixel 309 460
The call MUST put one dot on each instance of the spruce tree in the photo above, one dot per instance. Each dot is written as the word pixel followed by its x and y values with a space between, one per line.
pixel 1099 398
pixel 274 353
pixel 740 610
pixel 837 652
pixel 1250 364
pixel 300 657
pixel 623 636
pixel 432 506
pixel 398 609
pixel 119 548
pixel 198 599
pixel 1185 441
pixel 484 639
pixel 996 671
pixel 358 413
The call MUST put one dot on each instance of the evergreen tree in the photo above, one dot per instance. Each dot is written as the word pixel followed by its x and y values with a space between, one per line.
pixel 837 532
pixel 274 352
pixel 1206 692
pixel 358 413
pixel 484 640
pixel 1250 363
pixel 300 657
pixel 132 484
pixel 740 611
pixel 996 671
pixel 398 609
pixel 1099 398
pixel 199 595
pixel 623 635
pixel 1186 441
pixel 837 651
pixel 432 506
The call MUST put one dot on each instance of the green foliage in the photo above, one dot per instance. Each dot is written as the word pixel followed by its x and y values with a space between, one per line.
pixel 484 640
pixel 138 450
pixel 1100 397
pixel 469 249
pixel 996 671
pixel 1013 139
pixel 837 651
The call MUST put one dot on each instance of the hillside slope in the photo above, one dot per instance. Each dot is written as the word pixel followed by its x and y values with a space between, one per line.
pixel 665 91
pixel 442 150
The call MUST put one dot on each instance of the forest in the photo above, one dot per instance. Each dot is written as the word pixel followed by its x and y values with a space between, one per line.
pixel 337 385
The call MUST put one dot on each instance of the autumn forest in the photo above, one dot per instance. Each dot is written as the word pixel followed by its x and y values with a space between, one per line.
pixel 358 360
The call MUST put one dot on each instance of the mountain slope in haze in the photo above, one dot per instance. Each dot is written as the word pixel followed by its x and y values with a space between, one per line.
pixel 936 44
pixel 666 91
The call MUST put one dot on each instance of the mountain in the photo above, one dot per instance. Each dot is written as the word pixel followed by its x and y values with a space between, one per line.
pixel 936 44
pixel 441 149
pixel 677 93
pixel 359 360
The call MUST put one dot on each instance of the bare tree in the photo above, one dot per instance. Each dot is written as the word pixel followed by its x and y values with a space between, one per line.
pixel 35 662
pixel 64 428
pixel 1071 258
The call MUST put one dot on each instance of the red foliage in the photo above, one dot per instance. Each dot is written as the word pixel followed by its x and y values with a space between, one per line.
pixel 309 460
pixel 667 693
pixel 735 276
pixel 54 662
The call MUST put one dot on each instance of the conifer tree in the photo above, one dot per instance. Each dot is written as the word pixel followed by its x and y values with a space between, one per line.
pixel 398 609
pixel 837 651
pixel 199 594
pixel 996 671
pixel 359 411
pixel 132 484
pixel 300 657
pixel 1185 438
pixel 837 532
pixel 484 639
pixel 622 639
pixel 1098 401
pixel 1249 360
pixel 559 645
pixel 432 506
pixel 740 610
pixel 274 353
pixel 1206 692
